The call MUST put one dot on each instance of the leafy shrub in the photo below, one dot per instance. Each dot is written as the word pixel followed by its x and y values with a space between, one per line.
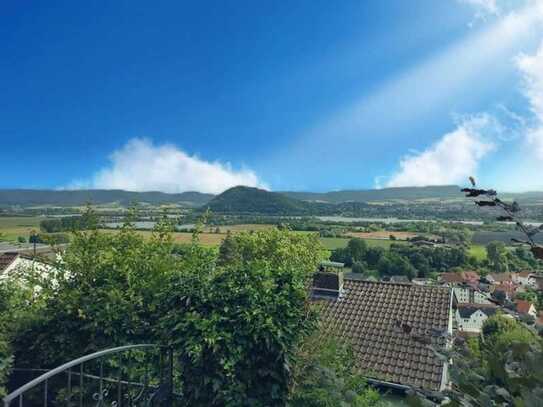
pixel 234 326
pixel 325 375
pixel 358 267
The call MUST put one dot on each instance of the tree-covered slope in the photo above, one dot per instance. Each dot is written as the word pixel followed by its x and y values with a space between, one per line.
pixel 253 200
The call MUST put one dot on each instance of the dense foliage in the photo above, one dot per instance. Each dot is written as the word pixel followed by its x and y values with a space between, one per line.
pixel 504 366
pixel 325 375
pixel 253 200
pixel 501 259
pixel 401 259
pixel 5 351
pixel 236 318
pixel 64 224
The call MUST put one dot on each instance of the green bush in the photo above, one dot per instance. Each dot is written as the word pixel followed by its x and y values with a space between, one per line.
pixel 325 375
pixel 234 326
pixel 358 267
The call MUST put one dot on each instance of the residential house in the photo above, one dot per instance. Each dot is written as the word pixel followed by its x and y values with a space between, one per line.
pixel 467 294
pixel 471 317
pixel 525 308
pixel 391 326
pixel 538 281
pixel 8 261
pixel 12 262
pixel 509 289
pixel 499 278
pixel 461 278
pixel 525 279
pixel 451 278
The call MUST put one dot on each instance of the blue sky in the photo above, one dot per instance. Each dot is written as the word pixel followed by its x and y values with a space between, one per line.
pixel 304 95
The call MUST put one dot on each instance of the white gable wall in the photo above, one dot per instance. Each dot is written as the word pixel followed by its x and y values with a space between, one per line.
pixel 472 324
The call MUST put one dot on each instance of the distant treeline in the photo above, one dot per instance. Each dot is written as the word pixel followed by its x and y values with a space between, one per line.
pixel 253 201
pixel 33 197
pixel 423 261
pixel 64 224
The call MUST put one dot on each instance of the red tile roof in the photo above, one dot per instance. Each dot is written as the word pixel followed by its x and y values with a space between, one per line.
pixel 390 326
pixel 523 306
pixel 6 259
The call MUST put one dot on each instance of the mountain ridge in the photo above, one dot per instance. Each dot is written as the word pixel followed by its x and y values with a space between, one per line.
pixel 36 197
pixel 28 197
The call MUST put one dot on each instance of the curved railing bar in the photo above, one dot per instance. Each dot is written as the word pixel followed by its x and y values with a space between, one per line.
pixel 12 396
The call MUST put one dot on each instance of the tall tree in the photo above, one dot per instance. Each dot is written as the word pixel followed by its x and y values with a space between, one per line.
pixel 497 256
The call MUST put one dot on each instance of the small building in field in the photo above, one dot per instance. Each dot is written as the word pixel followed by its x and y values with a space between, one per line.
pixel 471 317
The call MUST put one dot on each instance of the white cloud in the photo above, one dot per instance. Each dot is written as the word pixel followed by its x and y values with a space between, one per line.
pixel 531 67
pixel 452 159
pixel 483 8
pixel 141 165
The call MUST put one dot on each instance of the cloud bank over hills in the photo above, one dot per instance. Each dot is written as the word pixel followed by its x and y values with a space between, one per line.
pixel 451 160
pixel 459 153
pixel 141 165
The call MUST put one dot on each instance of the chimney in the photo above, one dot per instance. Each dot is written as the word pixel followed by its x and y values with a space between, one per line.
pixel 327 285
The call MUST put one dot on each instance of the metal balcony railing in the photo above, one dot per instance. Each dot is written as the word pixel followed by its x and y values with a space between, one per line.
pixel 132 375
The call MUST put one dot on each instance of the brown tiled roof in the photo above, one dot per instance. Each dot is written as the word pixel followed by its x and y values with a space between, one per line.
pixel 372 317
pixel 6 259
pixel 451 277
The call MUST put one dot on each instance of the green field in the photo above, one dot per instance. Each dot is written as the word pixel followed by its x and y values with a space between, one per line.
pixel 12 227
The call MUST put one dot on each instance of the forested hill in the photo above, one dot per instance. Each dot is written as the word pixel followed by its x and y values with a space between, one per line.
pixel 385 194
pixel 253 200
pixel 29 197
